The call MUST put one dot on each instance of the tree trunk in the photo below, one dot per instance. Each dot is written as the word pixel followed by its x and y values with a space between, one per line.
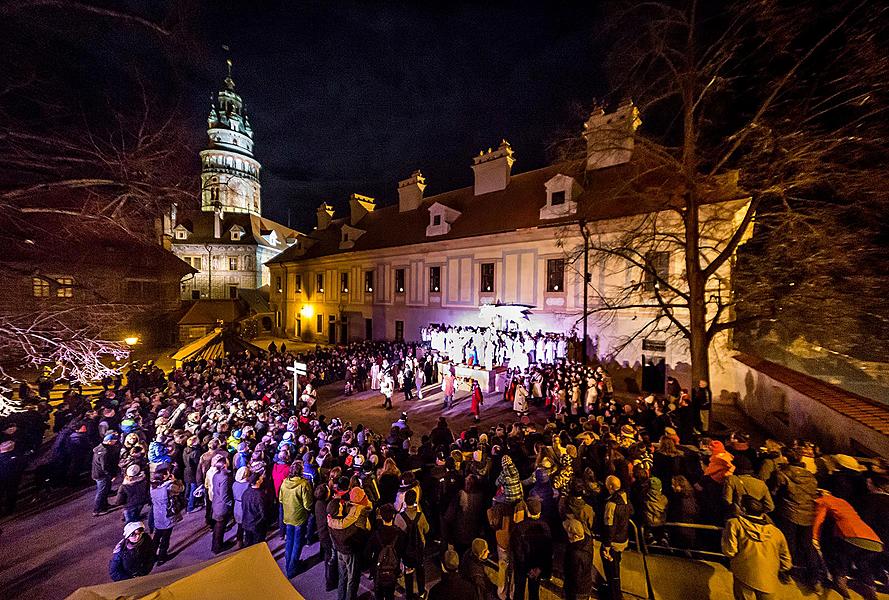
pixel 699 346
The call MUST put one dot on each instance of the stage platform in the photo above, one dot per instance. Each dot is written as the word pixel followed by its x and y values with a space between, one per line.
pixel 493 380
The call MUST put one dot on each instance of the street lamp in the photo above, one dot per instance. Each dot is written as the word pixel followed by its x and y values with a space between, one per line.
pixel 131 340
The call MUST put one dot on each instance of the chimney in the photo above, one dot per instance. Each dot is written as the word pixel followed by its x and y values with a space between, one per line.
pixel 492 169
pixel 359 206
pixel 217 221
pixel 410 192
pixel 325 215
pixel 609 137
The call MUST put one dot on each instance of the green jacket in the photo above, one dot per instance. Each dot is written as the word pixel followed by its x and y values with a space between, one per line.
pixel 297 499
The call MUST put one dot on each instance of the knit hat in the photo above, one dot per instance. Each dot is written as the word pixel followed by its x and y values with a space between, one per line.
pixel 110 436
pixel 133 471
pixel 129 528
pixel 357 496
pixel 241 474
pixel 451 561
pixel 716 447
pixel 479 547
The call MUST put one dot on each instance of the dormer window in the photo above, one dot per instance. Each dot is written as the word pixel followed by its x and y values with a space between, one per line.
pixel 562 192
pixel 348 236
pixel 441 218
pixel 237 232
pixel 180 232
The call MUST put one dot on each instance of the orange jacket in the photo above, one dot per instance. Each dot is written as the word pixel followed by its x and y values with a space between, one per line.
pixel 849 524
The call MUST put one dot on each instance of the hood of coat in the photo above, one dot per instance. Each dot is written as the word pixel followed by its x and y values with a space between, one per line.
pixel 291 483
pixel 756 528
pixel 800 476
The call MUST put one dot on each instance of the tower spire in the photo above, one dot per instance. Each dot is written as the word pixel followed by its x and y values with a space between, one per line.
pixel 229 82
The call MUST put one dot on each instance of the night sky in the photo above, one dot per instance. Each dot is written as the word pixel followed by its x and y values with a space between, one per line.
pixel 344 97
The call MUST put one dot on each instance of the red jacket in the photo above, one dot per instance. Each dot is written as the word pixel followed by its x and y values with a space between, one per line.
pixel 848 523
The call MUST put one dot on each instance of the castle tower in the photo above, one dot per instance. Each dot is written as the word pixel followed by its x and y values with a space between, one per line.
pixel 229 173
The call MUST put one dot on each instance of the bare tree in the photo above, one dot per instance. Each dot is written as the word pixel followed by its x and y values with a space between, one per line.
pixel 72 169
pixel 780 110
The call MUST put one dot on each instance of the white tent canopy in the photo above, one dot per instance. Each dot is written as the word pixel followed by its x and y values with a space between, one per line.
pixel 251 573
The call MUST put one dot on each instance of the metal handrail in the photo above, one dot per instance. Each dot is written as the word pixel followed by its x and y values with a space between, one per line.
pixel 670 548
pixel 642 551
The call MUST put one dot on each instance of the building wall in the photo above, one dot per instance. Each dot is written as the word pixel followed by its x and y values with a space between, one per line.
pixel 790 414
pixel 215 269
pixel 520 271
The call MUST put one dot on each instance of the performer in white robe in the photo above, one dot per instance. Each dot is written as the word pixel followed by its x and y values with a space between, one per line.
pixel 375 376
pixel 549 350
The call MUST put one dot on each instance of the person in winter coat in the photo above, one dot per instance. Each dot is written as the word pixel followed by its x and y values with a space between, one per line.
pixel 757 551
pixel 413 523
pixel 615 535
pixel 255 510
pixel 297 501
pixel 221 502
pixel 578 567
pixel 166 509
pixel 850 541
pixel 384 550
pixel 349 527
pixel 655 505
pixel 104 469
pixel 451 585
pixel 328 553
pixel 508 482
pixel 745 483
pixel 531 545
pixel 133 494
pixel 191 456
pixel 797 490
pixel 134 554
pixel 477 569
pixel 238 488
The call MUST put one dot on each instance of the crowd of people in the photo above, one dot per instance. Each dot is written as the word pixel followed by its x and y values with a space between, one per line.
pixel 501 509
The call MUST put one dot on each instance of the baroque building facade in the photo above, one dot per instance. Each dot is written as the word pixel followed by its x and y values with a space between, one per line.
pixel 387 272
pixel 228 241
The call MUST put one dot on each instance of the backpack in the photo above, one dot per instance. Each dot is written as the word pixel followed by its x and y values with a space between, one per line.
pixel 388 566
pixel 413 548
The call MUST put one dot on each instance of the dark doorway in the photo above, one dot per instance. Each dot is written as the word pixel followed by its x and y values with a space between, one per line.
pixel 399 331
pixel 331 330
pixel 654 374
pixel 368 329
pixel 266 323
pixel 299 328
pixel 344 330
pixel 233 292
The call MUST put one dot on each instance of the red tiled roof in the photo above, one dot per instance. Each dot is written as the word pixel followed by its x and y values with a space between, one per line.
pixel 608 193
pixel 864 410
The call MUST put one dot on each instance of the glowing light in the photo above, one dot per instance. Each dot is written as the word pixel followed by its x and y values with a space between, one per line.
pixel 307 311
pixel 131 340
